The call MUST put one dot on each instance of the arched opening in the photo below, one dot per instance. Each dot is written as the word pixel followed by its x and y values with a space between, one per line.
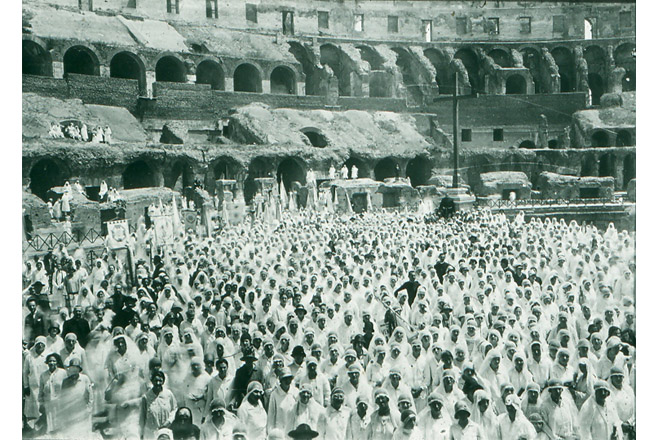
pixel 532 61
pixel 259 167
pixel 471 63
pixel 181 177
pixel 624 139
pixel 624 56
pixel 589 166
pixel 210 72
pixel 443 74
pixel 419 171
pixel 283 81
pixel 363 172
pixel 138 175
pixel 588 29
pixel 379 85
pixel 316 138
pixel 247 79
pixel 527 144
pixel 386 168
pixel 600 139
pixel 306 58
pixel 564 60
pixel 516 85
pixel 44 175
pixel 629 169
pixel 596 87
pixel 553 144
pixel 36 61
pixel 226 168
pixel 500 57
pixel 290 171
pixel 127 66
pixel 332 56
pixel 606 165
pixel 414 74
pixel 80 60
pixel 170 69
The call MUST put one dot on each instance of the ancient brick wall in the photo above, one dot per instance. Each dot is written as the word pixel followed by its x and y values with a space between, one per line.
pixel 103 90
pixel 45 86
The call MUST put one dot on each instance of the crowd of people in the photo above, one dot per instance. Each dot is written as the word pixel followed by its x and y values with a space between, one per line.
pixel 370 326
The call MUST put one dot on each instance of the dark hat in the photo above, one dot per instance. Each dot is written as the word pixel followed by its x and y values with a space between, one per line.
pixel 298 350
pixel 303 431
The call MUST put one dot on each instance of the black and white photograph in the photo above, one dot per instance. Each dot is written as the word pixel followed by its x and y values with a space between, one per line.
pixel 330 219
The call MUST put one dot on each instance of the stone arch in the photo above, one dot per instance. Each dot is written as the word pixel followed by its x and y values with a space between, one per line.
pixel 600 139
pixel 308 61
pixel 36 59
pixel 170 68
pixel 283 81
pixel 386 168
pixel 624 138
pixel 45 174
pixel 226 168
pixel 419 170
pixel 606 165
pixel 371 56
pixel 596 87
pixel 331 55
pixel 470 61
pixel 258 167
pixel 629 169
pixel 553 144
pixel 624 56
pixel 127 65
pixel 181 176
pixel 138 174
pixel 589 166
pixel 443 73
pixel 412 74
pixel 501 57
pixel 210 72
pixel 247 78
pixel 315 136
pixel 588 29
pixel 528 144
pixel 566 64
pixel 81 60
pixel 532 61
pixel 516 85
pixel 290 170
pixel 363 170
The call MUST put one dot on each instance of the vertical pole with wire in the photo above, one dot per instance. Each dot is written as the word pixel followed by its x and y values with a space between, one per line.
pixel 455 108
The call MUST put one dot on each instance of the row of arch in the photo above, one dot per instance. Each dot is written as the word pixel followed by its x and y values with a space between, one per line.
pixel 47 173
pixel 603 139
pixel 247 77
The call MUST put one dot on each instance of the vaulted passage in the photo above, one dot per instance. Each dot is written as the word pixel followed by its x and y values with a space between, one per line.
pixel 419 171
pixel 290 171
pixel 624 139
pixel 596 87
pixel 44 175
pixel 624 56
pixel 599 138
pixel 210 72
pixel 629 169
pixel 564 60
pixel 363 172
pixel 128 66
pixel 527 144
pixel 181 176
pixel 259 167
pixel 516 85
pixel 247 79
pixel 500 57
pixel 80 60
pixel 138 175
pixel 606 165
pixel 170 69
pixel 471 63
pixel 386 168
pixel 36 61
pixel 283 81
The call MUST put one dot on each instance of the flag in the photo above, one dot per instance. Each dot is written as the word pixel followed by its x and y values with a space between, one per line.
pixel 117 233
pixel 176 220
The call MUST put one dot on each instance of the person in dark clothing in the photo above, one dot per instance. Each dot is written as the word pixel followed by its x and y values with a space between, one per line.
pixel 35 322
pixel 77 325
pixel 518 275
pixel 117 299
pixel 126 314
pixel 182 426
pixel 244 375
pixel 411 287
pixel 447 207
pixel 442 267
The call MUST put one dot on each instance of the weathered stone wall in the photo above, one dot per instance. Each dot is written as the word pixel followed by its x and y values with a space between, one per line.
pixel 102 90
pixel 556 186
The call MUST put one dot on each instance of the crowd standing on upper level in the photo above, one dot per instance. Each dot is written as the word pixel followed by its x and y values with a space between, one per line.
pixel 370 326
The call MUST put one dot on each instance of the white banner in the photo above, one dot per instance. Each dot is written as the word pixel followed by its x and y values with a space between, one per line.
pixel 117 233
pixel 163 229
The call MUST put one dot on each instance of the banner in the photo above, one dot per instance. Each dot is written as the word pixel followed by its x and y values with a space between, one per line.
pixel 189 219
pixel 163 229
pixel 117 233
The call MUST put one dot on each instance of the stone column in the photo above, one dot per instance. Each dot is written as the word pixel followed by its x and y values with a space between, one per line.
pixel 301 88
pixel 265 86
pixel 104 71
pixel 150 79
pixel 191 78
pixel 229 83
pixel 58 69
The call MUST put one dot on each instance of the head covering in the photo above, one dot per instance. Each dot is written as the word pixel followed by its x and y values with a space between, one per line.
pixel 460 407
pixel 254 386
pixel 303 431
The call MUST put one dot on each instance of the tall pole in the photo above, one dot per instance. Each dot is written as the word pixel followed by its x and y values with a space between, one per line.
pixel 455 177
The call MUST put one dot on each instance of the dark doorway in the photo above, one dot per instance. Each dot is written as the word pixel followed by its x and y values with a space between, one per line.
pixel 589 166
pixel 181 176
pixel 386 168
pixel 170 69
pixel 290 171
pixel 516 85
pixel 419 171
pixel 247 79
pixel 126 65
pixel 600 139
pixel 282 81
pixel 553 144
pixel 471 63
pixel 589 193
pixel 390 199
pixel 623 139
pixel 138 175
pixel 210 72
pixel 259 167
pixel 359 202
pixel 527 144
pixel 44 175
pixel 36 61
pixel 501 57
pixel 629 169
pixel 596 86
pixel 363 172
pixel 564 60
pixel 506 194
pixel 80 60
pixel 92 193
pixel 316 138
pixel 606 166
